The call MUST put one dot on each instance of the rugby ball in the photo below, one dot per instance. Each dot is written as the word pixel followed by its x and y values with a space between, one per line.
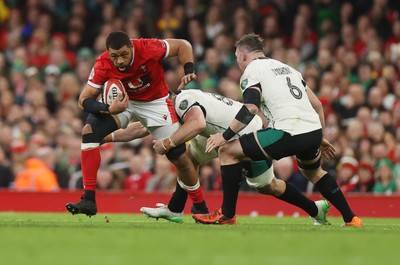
pixel 112 89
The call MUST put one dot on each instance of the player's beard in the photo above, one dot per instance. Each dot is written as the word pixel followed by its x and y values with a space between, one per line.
pixel 125 67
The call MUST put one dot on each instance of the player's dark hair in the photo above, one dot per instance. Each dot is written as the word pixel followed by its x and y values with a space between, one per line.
pixel 118 39
pixel 250 43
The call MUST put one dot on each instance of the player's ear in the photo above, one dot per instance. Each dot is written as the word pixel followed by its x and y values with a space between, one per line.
pixel 244 56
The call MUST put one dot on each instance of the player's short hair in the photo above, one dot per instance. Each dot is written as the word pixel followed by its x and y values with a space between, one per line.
pixel 118 39
pixel 250 43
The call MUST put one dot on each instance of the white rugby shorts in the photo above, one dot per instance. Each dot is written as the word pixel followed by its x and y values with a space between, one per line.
pixel 197 149
pixel 158 116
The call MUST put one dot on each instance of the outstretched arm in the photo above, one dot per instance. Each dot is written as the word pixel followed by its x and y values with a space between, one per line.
pixel 194 123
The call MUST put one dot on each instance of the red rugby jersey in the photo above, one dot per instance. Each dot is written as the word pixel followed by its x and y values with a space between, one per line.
pixel 144 80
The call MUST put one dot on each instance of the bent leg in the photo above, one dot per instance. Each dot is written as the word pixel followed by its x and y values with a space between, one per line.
pixel 179 197
pixel 186 171
pixel 96 128
pixel 231 153
pixel 266 183
pixel 231 177
pixel 187 176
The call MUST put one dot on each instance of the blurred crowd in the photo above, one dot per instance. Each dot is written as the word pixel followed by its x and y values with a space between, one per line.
pixel 347 51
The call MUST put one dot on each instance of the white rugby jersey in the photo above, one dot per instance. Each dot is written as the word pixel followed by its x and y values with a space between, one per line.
pixel 219 111
pixel 284 100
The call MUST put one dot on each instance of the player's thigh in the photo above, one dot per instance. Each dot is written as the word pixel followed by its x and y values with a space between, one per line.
pixel 259 173
pixel 308 145
pixel 127 116
pixel 197 149
pixel 278 144
pixel 153 114
pixel 176 155
pixel 231 152
pixel 162 132
pixel 309 161
pixel 265 144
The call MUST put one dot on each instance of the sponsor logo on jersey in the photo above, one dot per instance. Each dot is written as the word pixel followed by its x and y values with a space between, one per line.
pixel 135 83
pixel 139 84
pixel 244 83
pixel 184 104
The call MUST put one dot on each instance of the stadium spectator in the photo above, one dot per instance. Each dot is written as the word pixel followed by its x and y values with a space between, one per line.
pixel 124 153
pixel 366 174
pixel 347 173
pixel 348 105
pixel 138 176
pixel 109 179
pixel 198 39
pixel 209 177
pixel 285 169
pixel 354 132
pixel 37 175
pixel 51 79
pixel 213 23
pixel 385 182
pixel 164 177
pixel 6 174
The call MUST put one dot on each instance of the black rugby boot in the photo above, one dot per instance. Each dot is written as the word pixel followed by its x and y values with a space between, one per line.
pixel 82 207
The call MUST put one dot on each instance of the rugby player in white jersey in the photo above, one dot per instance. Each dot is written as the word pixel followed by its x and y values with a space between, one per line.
pixel 295 127
pixel 203 114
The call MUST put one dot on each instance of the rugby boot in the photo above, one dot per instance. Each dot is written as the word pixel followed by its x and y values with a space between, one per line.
pixel 355 222
pixel 323 208
pixel 82 207
pixel 162 211
pixel 215 217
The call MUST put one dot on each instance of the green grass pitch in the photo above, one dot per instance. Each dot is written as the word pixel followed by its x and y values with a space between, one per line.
pixel 63 239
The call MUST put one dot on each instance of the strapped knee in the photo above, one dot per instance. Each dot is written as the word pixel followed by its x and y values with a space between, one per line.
pixel 101 125
pixel 188 188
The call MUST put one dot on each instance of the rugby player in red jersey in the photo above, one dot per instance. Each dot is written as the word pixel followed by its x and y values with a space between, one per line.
pixel 138 64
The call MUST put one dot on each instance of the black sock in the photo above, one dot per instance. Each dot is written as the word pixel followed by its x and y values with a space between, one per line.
pixel 231 177
pixel 295 197
pixel 331 191
pixel 178 200
pixel 89 195
pixel 200 208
